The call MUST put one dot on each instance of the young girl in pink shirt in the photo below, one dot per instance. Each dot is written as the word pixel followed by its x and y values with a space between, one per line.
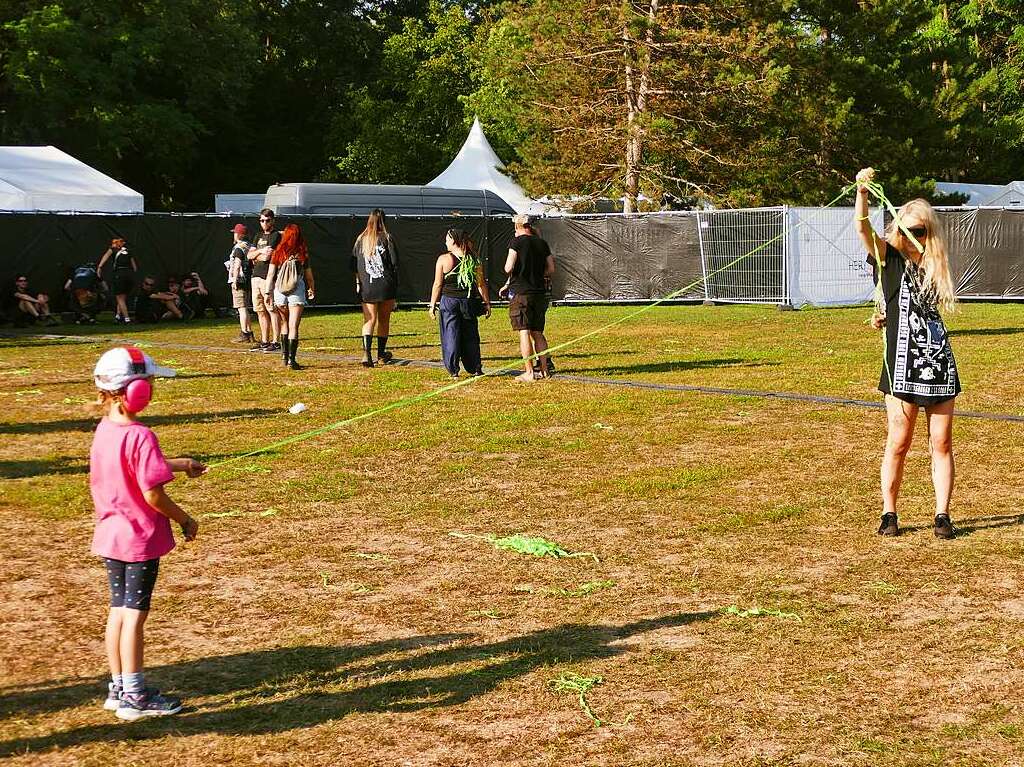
pixel 127 474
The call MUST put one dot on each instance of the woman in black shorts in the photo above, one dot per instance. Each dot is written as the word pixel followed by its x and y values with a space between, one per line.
pixel 123 277
pixel 375 264
pixel 919 371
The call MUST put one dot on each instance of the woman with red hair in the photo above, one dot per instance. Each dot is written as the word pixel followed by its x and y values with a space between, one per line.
pixel 291 279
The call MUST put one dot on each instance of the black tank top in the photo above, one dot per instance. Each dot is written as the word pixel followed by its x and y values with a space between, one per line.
pixel 450 286
pixel 122 260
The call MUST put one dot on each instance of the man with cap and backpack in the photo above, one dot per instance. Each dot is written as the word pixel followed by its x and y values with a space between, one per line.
pixel 239 275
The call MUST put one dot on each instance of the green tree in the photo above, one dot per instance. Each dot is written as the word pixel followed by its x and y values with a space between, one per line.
pixel 130 87
pixel 406 125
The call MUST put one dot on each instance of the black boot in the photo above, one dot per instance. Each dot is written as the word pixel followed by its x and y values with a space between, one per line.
pixel 383 355
pixel 367 346
pixel 284 350
pixel 291 360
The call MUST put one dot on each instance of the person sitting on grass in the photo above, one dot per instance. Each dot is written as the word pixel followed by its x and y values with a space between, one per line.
pixel 153 305
pixel 127 474
pixel 195 296
pixel 912 268
pixel 28 308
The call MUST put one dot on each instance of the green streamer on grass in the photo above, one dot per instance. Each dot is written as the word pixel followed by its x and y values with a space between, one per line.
pixel 525 544
pixel 760 612
pixel 579 686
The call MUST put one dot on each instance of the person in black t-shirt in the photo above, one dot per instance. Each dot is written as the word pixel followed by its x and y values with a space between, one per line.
pixel 259 254
pixel 123 278
pixel 914 283
pixel 26 307
pixel 374 263
pixel 153 305
pixel 195 296
pixel 530 267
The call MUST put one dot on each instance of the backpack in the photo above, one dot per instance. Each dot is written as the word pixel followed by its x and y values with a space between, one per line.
pixel 288 277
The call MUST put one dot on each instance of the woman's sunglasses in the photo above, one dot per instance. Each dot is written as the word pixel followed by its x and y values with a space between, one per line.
pixel 918 231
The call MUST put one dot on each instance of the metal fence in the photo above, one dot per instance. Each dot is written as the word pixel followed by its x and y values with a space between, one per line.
pixel 744 255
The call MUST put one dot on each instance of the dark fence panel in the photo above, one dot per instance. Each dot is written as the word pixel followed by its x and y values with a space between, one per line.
pixel 48 247
pixel 619 258
pixel 986 251
pixel 613 258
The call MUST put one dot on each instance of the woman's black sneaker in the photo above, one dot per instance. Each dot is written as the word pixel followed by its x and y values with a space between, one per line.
pixel 943 526
pixel 385 358
pixel 889 526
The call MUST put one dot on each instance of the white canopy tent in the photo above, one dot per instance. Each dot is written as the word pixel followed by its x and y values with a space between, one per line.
pixel 43 178
pixel 477 166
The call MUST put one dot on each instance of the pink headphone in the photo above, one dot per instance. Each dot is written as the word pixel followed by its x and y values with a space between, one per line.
pixel 139 392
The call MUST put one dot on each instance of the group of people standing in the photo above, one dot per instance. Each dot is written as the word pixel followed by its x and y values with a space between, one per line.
pixel 259 268
pixel 271 276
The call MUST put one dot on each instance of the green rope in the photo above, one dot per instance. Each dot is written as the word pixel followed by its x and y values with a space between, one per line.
pixel 423 396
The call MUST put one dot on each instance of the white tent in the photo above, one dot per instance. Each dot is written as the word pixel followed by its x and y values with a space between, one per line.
pixel 44 178
pixel 477 166
pixel 1009 196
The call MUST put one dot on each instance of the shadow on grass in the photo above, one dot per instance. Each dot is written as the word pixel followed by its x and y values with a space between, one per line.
pixel 672 366
pixel 259 679
pixel 88 424
pixel 89 385
pixel 966 527
pixel 36 467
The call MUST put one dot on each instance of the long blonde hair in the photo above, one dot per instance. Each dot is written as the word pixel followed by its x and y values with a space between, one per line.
pixel 374 233
pixel 938 281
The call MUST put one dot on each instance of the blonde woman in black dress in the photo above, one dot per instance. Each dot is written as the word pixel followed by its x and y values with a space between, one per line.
pixel 375 264
pixel 912 268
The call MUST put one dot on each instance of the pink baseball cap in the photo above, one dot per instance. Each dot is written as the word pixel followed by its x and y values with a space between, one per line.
pixel 239 229
pixel 118 367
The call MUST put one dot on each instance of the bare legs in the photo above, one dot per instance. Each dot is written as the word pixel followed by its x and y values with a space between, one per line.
pixel 376 322
pixel 121 299
pixel 377 318
pixel 901 418
pixel 370 314
pixel 244 323
pixel 264 319
pixel 275 326
pixel 940 445
pixel 123 639
pixel 294 318
pixel 532 343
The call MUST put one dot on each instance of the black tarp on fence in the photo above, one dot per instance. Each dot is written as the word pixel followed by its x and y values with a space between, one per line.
pixel 986 251
pixel 600 258
pixel 48 247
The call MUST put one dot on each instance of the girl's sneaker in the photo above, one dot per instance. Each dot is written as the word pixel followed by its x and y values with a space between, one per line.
pixel 113 697
pixel 149 702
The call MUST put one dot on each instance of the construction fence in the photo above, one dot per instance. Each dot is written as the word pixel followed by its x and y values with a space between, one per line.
pixel 785 256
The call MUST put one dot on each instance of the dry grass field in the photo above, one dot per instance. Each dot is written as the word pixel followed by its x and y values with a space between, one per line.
pixel 325 615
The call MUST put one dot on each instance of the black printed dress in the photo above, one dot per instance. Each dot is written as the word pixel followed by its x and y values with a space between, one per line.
pixel 919 365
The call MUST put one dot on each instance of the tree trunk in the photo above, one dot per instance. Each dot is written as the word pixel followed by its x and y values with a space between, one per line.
pixel 638 84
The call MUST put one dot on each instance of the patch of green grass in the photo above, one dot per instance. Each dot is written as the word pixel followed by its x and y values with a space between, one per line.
pixel 660 481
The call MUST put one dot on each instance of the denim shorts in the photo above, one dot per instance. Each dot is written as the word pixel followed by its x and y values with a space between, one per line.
pixel 294 297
